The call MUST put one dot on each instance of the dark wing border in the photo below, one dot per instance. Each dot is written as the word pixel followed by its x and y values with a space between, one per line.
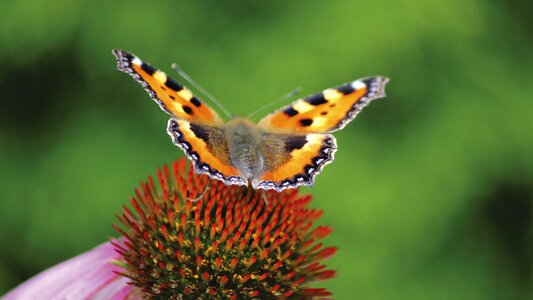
pixel 200 167
pixel 124 60
pixel 375 90
pixel 325 157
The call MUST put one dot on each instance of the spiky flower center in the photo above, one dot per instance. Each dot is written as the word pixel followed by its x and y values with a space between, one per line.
pixel 232 244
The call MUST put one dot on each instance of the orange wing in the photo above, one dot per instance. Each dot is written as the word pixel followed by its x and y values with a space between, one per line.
pixel 327 111
pixel 294 160
pixel 172 97
pixel 207 148
pixel 194 127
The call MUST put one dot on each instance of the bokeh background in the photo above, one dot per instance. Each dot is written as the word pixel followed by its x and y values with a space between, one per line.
pixel 432 188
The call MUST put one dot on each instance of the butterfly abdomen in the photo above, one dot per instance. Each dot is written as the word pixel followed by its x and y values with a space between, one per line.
pixel 243 145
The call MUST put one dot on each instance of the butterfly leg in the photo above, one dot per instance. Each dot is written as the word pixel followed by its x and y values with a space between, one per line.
pixel 194 200
pixel 254 192
pixel 264 196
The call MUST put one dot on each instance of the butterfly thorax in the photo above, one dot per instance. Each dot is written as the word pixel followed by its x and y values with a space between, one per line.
pixel 244 140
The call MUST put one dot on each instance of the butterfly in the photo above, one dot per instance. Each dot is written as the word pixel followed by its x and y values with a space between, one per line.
pixel 286 149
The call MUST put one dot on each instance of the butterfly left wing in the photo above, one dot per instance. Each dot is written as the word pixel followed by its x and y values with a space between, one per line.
pixel 207 148
pixel 172 97
pixel 194 127
pixel 327 111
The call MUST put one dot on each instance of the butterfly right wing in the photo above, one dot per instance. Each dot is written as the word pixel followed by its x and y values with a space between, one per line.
pixel 297 144
pixel 171 97
pixel 293 160
pixel 327 111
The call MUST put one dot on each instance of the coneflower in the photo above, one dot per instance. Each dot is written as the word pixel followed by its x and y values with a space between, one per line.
pixel 232 244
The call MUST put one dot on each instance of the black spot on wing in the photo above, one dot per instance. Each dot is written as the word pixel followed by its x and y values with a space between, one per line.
pixel 199 167
pixel 121 53
pixel 310 170
pixel 369 81
pixel 291 112
pixel 306 122
pixel 196 102
pixel 295 142
pixel 148 69
pixel 316 99
pixel 187 109
pixel 199 132
pixel 346 89
pixel 170 83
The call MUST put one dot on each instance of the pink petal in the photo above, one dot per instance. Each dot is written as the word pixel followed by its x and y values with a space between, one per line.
pixel 90 275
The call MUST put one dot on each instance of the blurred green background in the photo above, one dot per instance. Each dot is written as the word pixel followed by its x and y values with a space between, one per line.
pixel 431 191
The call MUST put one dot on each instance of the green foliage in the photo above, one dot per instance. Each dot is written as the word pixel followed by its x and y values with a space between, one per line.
pixel 430 194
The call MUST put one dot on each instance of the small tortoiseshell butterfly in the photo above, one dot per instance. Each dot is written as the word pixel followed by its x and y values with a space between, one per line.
pixel 285 149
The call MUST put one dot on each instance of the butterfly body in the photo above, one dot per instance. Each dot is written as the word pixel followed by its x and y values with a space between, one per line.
pixel 285 149
pixel 245 142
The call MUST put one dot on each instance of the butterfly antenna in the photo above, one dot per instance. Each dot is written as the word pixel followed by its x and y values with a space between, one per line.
pixel 198 87
pixel 285 97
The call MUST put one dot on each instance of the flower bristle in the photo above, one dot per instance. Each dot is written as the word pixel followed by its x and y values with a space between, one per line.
pixel 231 244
